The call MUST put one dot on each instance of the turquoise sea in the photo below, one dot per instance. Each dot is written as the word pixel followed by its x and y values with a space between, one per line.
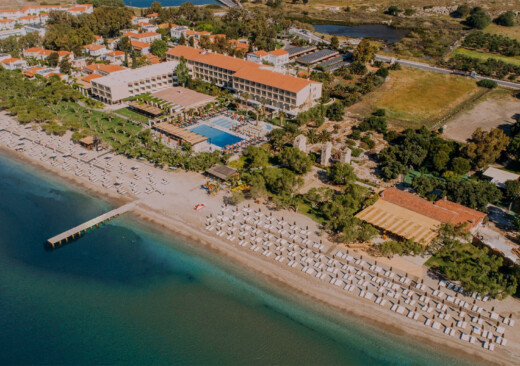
pixel 125 294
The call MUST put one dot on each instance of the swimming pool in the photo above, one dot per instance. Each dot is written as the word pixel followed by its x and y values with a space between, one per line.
pixel 215 136
pixel 225 122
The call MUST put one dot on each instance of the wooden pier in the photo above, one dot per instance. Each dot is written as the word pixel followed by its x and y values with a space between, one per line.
pixel 75 232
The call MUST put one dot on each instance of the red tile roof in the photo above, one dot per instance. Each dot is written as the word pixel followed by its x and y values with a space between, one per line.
pixel 442 210
pixel 90 77
pixel 271 78
pixel 94 47
pixel 104 68
pixel 116 53
pixel 260 53
pixel 189 53
pixel 279 52
pixel 139 45
pixel 32 71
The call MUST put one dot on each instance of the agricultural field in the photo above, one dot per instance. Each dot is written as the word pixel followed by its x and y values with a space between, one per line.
pixel 413 98
pixel 497 109
pixel 511 32
pixel 483 56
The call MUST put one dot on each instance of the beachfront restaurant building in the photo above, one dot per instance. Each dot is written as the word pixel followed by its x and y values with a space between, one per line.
pixel 176 136
pixel 274 90
pixel 221 172
pixel 115 87
pixel 409 216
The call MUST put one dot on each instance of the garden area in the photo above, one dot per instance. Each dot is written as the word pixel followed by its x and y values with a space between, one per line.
pixel 132 115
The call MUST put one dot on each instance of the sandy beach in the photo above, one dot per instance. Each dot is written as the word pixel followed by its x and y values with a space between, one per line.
pixel 166 199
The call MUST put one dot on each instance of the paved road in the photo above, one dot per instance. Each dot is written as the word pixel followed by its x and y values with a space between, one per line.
pixel 419 65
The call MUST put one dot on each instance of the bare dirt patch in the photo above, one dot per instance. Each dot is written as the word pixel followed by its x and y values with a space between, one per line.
pixel 497 109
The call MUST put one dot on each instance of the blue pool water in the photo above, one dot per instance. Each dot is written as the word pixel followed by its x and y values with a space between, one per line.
pixel 217 137
pixel 224 122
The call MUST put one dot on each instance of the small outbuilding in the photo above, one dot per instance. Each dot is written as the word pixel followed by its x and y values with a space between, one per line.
pixel 88 142
pixel 499 177
pixel 221 172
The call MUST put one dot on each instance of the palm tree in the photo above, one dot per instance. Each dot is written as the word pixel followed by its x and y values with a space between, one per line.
pixel 246 97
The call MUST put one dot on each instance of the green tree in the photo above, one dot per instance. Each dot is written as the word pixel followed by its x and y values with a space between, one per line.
pixel 462 11
pixel 124 44
pixel 440 160
pixel 334 42
pixel 335 111
pixel 424 185
pixel 364 51
pixel 506 19
pixel 256 157
pixel 236 198
pixel 460 166
pixel 341 173
pixel 65 66
pixel 53 59
pixel 484 148
pixel 296 160
pixel 486 83
pixel 479 19
pixel 182 71
pixel 512 188
pixel 393 10
pixel 159 48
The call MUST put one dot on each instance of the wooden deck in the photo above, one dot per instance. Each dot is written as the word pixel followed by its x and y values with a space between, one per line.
pixel 75 232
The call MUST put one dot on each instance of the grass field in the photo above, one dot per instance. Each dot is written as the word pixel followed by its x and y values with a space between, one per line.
pixel 132 115
pixel 106 127
pixel 413 98
pixel 484 56
pixel 511 32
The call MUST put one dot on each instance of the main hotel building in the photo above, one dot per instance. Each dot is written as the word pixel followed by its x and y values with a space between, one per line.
pixel 275 90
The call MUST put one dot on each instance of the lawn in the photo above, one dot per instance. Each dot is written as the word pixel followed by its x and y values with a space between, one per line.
pixel 414 97
pixel 109 128
pixel 132 115
pixel 511 32
pixel 484 56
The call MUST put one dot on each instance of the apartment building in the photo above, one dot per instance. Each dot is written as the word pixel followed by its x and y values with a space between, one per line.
pixel 6 24
pixel 142 47
pixel 13 63
pixel 95 50
pixel 12 32
pixel 43 9
pixel 115 57
pixel 42 54
pixel 279 91
pixel 145 37
pixel 276 58
pixel 118 86
pixel 274 90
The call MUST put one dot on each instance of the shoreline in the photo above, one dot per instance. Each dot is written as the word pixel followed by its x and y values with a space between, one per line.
pixel 182 224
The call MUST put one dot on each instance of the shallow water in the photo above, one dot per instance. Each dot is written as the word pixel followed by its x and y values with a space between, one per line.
pixel 126 294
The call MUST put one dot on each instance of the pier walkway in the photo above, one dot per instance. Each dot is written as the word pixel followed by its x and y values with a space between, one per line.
pixel 230 3
pixel 58 240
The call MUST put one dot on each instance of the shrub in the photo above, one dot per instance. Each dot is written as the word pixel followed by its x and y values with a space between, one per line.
pixel 383 72
pixel 486 83
pixel 506 19
pixel 479 19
